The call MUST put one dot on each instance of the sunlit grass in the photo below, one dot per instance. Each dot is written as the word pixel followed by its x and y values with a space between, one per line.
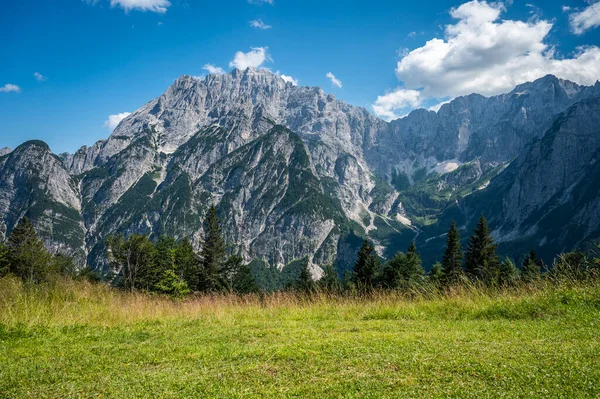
pixel 71 339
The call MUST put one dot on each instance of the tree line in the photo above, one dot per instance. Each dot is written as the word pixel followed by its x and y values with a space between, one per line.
pixel 478 263
pixel 173 268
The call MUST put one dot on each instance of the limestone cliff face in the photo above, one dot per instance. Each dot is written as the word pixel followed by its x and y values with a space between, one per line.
pixel 293 171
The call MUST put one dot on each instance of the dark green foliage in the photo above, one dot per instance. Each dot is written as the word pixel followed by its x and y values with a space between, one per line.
pixel 4 261
pixel 187 264
pixel 531 269
pixel 452 261
pixel 132 260
pixel 365 267
pixel 213 253
pixel 242 280
pixel 400 181
pixel 330 281
pixel 508 273
pixel 305 282
pixel 27 255
pixel 573 266
pixel 436 274
pixel 481 260
pixel 63 265
pixel 404 270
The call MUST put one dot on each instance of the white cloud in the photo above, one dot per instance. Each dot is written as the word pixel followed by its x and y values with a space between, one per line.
pixel 214 70
pixel 252 59
pixel 334 81
pixel 159 6
pixel 288 79
pixel 8 88
pixel 586 19
pixel 113 120
pixel 261 2
pixel 484 54
pixel 386 105
pixel 259 24
pixel 39 77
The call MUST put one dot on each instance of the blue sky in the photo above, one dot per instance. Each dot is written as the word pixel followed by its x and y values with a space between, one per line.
pixel 96 59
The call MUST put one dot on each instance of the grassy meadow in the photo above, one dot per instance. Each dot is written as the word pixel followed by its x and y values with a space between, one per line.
pixel 76 339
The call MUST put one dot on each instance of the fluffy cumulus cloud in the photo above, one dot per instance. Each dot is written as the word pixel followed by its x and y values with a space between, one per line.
pixel 39 77
pixel 334 81
pixel 252 59
pixel 482 53
pixel 288 79
pixel 259 24
pixel 159 6
pixel 585 19
pixel 213 70
pixel 113 120
pixel 10 88
pixel 400 98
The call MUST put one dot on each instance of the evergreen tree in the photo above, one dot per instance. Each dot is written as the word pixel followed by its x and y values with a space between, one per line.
pixel 436 274
pixel 572 266
pixel 27 255
pixel 187 264
pixel 452 260
pixel 404 270
pixel 213 253
pixel 481 260
pixel 531 270
pixel 366 264
pixel 242 282
pixel 305 281
pixel 169 283
pixel 4 262
pixel 330 281
pixel 63 265
pixel 508 273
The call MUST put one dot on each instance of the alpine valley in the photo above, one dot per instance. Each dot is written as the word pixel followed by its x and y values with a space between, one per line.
pixel 297 175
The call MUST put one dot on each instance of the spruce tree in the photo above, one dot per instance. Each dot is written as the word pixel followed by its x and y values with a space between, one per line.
pixel 4 262
pixel 243 281
pixel 364 269
pixel 531 270
pixel 452 260
pixel 187 264
pixel 305 282
pixel 213 253
pixel 404 270
pixel 330 281
pixel 481 260
pixel 508 273
pixel 436 274
pixel 27 255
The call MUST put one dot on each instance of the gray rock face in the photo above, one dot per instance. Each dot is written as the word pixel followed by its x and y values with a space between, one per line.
pixel 292 169
pixel 34 183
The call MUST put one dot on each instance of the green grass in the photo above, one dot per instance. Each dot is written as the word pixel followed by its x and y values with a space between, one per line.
pixel 78 340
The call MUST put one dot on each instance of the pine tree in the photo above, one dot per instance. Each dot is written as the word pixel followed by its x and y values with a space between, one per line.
pixel 531 270
pixel 330 281
pixel 4 262
pixel 187 264
pixel 481 260
pixel 213 253
pixel 243 281
pixel 508 273
pixel 452 260
pixel 436 274
pixel 305 282
pixel 364 269
pixel 404 270
pixel 27 255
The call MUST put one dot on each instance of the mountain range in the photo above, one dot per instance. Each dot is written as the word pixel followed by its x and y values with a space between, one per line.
pixel 298 175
